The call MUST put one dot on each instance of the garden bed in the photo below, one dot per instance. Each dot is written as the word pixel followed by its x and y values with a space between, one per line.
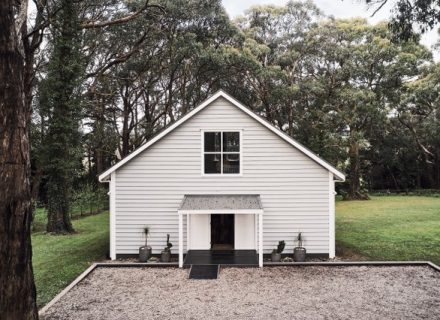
pixel 299 292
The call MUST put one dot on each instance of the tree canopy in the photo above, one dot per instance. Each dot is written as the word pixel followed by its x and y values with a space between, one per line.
pixel 342 87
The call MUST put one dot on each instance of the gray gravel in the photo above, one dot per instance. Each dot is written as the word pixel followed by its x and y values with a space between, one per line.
pixel 312 292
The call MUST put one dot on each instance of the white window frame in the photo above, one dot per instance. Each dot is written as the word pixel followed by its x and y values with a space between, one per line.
pixel 202 153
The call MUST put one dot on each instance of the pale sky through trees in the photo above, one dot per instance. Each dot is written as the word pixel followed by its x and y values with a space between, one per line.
pixel 338 9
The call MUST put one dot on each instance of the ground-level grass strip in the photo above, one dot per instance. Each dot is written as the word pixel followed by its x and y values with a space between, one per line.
pixel 390 228
pixel 354 263
pixel 58 260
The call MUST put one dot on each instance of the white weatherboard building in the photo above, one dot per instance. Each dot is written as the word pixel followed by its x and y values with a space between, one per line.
pixel 219 178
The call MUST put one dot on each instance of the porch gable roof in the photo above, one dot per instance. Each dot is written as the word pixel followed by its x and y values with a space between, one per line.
pixel 221 203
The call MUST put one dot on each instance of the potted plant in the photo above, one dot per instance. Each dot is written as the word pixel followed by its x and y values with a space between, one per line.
pixel 165 255
pixel 145 251
pixel 299 252
pixel 276 253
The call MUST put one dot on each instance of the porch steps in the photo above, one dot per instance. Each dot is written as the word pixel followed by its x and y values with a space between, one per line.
pixel 203 271
pixel 229 258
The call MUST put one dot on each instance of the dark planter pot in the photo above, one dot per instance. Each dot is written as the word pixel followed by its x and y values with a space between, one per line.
pixel 299 254
pixel 144 253
pixel 165 256
pixel 276 257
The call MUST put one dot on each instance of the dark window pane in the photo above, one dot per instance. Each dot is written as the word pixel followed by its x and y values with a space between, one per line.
pixel 212 163
pixel 231 163
pixel 231 141
pixel 212 141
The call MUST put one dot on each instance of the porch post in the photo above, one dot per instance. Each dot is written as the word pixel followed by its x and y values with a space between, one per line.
pixel 180 240
pixel 260 239
pixel 256 232
pixel 188 245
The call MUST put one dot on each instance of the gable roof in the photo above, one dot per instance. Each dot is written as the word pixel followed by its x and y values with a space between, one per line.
pixel 104 176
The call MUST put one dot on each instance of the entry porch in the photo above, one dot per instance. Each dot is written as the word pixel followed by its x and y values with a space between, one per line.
pixel 207 220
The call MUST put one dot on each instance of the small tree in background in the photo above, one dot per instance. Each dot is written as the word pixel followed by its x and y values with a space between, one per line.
pixel 90 199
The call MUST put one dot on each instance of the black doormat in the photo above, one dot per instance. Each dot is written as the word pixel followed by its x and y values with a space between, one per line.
pixel 204 271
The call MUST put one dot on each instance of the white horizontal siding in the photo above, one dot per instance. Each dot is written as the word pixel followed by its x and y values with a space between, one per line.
pixel 293 188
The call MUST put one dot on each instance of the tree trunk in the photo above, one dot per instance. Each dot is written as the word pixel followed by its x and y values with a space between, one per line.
pixel 290 118
pixel 419 177
pixel 437 170
pixel 36 182
pixel 354 190
pixel 63 141
pixel 393 177
pixel 99 158
pixel 58 219
pixel 17 288
pixel 125 130
pixel 97 146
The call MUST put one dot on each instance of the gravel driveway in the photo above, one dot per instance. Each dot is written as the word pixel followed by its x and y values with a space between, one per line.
pixel 312 292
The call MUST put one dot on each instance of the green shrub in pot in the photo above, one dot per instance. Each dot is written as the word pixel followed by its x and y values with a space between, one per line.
pixel 145 251
pixel 299 252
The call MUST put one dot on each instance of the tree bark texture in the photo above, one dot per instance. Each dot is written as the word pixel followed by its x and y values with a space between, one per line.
pixel 63 139
pixel 17 288
pixel 354 189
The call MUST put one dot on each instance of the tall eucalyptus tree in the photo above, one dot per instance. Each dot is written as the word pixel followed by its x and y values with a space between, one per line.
pixel 17 45
pixel 362 74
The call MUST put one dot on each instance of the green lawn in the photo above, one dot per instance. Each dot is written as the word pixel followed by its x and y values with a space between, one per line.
pixel 58 260
pixel 384 228
pixel 39 220
pixel 390 228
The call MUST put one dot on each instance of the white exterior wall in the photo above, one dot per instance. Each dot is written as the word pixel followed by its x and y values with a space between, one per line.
pixel 200 232
pixel 244 232
pixel 294 189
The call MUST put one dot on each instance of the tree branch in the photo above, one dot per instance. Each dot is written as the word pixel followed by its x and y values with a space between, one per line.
pixel 413 132
pixel 384 2
pixel 20 23
pixel 95 24
pixel 120 58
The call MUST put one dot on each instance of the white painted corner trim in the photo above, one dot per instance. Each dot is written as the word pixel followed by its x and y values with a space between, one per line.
pixel 113 216
pixel 331 217
pixel 104 176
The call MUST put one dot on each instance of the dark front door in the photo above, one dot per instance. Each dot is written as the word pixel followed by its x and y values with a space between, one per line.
pixel 222 231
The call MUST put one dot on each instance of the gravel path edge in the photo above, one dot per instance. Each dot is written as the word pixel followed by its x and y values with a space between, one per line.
pixel 83 275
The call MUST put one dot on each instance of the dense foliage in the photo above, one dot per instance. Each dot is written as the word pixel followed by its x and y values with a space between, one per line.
pixel 410 16
pixel 344 88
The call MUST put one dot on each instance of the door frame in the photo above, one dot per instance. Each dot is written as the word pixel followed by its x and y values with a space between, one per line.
pixel 232 232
